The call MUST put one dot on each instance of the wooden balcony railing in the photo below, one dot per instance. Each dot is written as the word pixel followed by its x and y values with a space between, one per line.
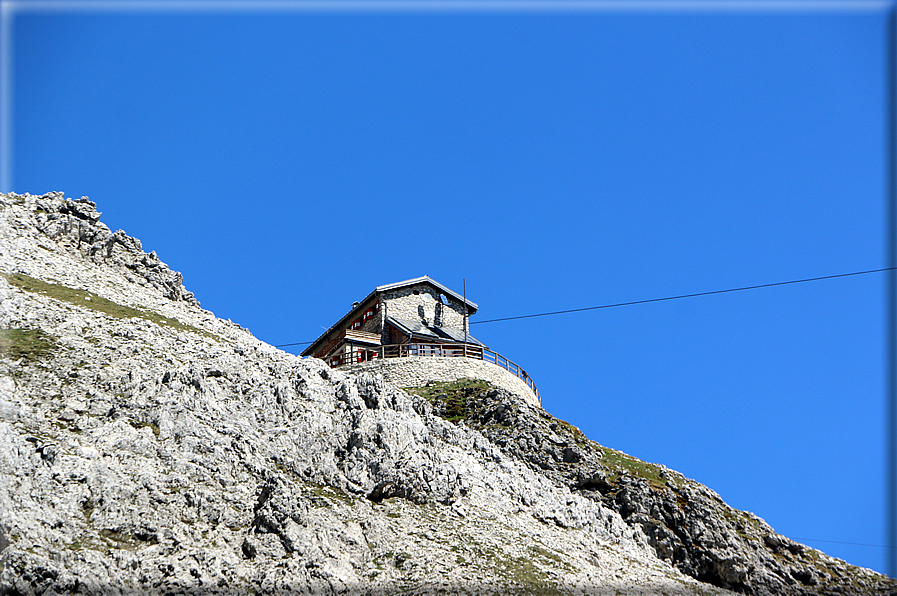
pixel 359 355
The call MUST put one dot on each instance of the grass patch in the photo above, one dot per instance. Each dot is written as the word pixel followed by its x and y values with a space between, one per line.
pixel 746 526
pixel 71 427
pixel 521 574
pixel 321 495
pixel 527 578
pixel 450 397
pixel 124 540
pixel 618 464
pixel 112 539
pixel 150 425
pixel 551 557
pixel 87 508
pixel 32 345
pixel 86 299
pixel 579 437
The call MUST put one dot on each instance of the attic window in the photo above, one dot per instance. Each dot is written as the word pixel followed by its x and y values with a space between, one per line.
pixel 444 299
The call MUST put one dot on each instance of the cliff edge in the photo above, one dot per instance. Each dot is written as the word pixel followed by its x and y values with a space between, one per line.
pixel 147 446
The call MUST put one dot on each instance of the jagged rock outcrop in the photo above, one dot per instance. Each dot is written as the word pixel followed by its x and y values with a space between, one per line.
pixel 147 446
pixel 76 224
pixel 685 522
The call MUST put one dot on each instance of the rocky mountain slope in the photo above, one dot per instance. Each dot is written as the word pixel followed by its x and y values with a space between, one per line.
pixel 147 446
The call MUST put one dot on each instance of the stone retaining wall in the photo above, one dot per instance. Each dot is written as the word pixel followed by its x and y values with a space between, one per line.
pixel 416 371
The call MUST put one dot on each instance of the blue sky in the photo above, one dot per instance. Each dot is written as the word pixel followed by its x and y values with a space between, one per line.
pixel 287 162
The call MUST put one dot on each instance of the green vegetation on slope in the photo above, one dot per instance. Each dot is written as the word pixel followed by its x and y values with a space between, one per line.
pixel 619 464
pixel 31 344
pixel 86 299
pixel 451 398
pixel 457 400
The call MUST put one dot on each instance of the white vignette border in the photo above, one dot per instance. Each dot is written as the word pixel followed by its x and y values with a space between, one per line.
pixel 10 8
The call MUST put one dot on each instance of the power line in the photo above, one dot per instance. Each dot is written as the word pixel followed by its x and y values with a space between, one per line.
pixel 778 283
pixel 839 542
pixel 663 299
pixel 679 297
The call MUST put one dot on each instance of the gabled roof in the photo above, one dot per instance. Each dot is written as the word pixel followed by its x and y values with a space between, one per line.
pixel 471 306
pixel 445 334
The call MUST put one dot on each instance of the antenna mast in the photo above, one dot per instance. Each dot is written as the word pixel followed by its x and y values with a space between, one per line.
pixel 464 290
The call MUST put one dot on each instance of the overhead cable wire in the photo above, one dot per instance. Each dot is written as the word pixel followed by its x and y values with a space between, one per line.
pixel 679 297
pixel 663 299
pixel 839 542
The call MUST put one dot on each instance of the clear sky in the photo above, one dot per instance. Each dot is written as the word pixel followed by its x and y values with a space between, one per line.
pixel 289 162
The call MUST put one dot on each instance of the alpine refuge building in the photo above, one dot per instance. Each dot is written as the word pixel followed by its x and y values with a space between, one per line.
pixel 413 332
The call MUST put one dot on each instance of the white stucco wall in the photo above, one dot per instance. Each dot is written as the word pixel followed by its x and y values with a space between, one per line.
pixel 415 371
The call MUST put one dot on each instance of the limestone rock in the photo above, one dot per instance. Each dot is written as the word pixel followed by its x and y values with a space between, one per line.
pixel 76 225
pixel 148 447
pixel 686 523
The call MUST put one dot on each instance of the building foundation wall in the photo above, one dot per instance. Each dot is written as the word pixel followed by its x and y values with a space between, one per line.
pixel 416 371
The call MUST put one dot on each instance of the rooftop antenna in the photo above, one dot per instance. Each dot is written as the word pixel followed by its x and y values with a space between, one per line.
pixel 464 290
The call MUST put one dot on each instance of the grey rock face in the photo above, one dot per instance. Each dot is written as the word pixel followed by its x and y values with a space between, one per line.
pixel 76 224
pixel 148 447
pixel 686 523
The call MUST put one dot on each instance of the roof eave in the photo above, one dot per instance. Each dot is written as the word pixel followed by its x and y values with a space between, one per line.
pixel 311 348
pixel 412 334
